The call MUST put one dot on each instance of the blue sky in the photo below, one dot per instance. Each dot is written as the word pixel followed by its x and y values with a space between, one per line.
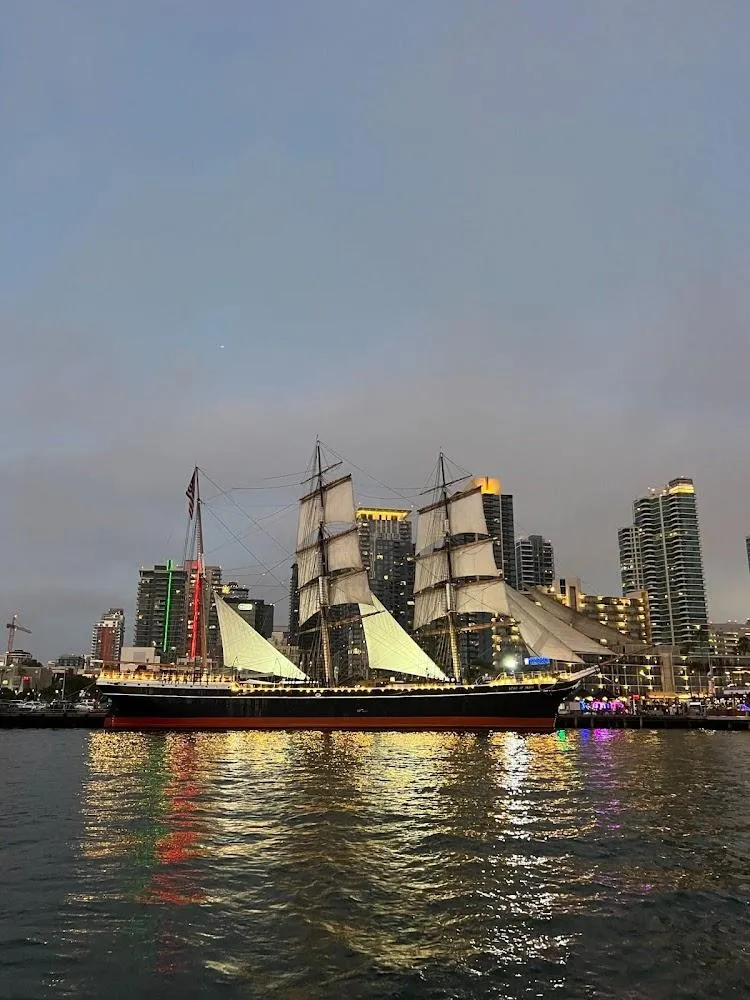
pixel 514 231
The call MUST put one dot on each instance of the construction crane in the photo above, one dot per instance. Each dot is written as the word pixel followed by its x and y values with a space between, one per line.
pixel 13 627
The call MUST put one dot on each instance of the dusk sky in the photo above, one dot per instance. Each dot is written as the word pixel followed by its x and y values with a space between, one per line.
pixel 516 231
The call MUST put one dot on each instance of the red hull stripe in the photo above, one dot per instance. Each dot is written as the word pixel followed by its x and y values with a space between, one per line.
pixel 406 722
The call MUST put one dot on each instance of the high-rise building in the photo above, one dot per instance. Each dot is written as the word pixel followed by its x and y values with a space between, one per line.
pixel 747 547
pixel 388 556
pixel 251 609
pixel 161 610
pixel 508 538
pixel 165 612
pixel 628 615
pixel 107 636
pixel 661 553
pixel 498 513
pixel 535 562
pixel 631 569
pixel 212 575
pixel 293 634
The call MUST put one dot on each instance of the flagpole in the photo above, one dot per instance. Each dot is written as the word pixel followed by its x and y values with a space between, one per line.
pixel 193 493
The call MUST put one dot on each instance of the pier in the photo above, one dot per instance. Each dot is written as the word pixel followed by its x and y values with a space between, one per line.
pixel 52 720
pixel 647 720
pixel 571 720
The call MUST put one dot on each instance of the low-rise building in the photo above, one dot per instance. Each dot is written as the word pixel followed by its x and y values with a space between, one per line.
pixel 134 657
pixel 253 610
pixel 628 615
pixel 729 638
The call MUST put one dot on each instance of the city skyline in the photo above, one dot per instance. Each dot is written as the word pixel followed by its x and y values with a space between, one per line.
pixel 515 233
pixel 279 605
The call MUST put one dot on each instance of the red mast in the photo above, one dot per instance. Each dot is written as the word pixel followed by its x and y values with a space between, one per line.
pixel 193 494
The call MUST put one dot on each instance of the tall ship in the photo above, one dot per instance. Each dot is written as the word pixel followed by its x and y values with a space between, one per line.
pixel 458 587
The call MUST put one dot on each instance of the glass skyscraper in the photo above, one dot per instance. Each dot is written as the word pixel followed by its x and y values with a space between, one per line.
pixel 388 556
pixel 498 514
pixel 661 554
pixel 535 562
pixel 164 610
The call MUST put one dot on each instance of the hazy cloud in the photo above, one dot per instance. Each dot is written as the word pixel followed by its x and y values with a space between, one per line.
pixel 514 232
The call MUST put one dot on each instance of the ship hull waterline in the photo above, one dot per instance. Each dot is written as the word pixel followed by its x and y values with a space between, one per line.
pixel 533 709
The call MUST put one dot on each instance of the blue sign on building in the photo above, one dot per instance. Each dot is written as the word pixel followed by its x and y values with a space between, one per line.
pixel 536 661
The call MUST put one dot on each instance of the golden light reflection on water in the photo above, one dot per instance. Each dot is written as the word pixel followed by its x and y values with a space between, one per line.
pixel 396 846
pixel 298 865
pixel 389 850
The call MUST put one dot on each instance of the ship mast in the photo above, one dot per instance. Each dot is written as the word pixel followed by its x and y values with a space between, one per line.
pixel 330 572
pixel 449 583
pixel 193 494
pixel 203 589
pixel 325 635
pixel 456 573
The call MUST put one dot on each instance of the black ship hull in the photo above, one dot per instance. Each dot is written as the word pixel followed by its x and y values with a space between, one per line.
pixel 518 707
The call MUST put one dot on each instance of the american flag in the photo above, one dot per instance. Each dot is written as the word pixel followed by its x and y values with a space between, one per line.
pixel 190 494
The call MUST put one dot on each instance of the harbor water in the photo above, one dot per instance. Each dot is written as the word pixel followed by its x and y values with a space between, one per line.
pixel 586 864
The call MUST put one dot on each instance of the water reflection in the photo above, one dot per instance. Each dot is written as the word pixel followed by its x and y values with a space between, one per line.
pixel 289 863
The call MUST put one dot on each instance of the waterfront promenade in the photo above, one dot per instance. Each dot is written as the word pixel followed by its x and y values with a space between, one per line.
pixel 52 719
pixel 565 720
pixel 651 720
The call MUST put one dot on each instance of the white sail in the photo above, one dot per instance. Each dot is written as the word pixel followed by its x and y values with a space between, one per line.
pixel 431 569
pixel 246 649
pixel 540 642
pixel 465 517
pixel 308 565
pixel 347 588
pixel 342 552
pixel 309 603
pixel 390 648
pixel 334 504
pixel 429 606
pixel 480 596
pixel 484 596
pixel 470 560
pixel 542 632
pixel 531 616
pixel 474 559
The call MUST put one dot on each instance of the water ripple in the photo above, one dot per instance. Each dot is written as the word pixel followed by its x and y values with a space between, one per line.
pixel 602 865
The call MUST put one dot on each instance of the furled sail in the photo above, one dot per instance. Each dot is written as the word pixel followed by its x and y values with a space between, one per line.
pixel 390 648
pixel 246 649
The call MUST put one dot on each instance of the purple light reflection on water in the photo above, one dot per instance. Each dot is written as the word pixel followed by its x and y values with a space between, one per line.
pixel 604 735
